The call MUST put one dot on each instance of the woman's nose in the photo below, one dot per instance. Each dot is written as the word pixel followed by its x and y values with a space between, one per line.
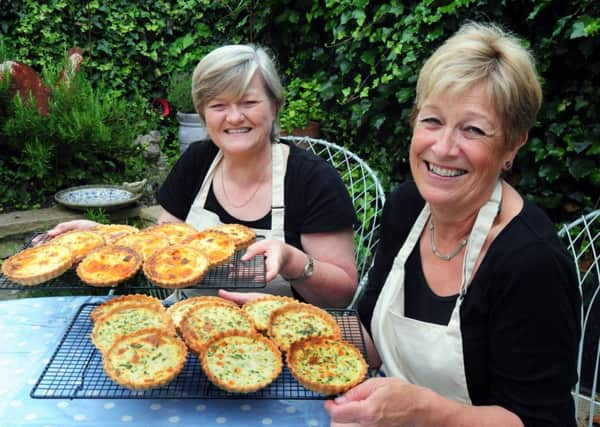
pixel 234 114
pixel 446 142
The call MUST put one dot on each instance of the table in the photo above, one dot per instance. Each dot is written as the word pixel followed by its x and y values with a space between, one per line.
pixel 31 329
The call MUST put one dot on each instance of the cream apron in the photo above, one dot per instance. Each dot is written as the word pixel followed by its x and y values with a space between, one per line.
pixel 201 218
pixel 423 353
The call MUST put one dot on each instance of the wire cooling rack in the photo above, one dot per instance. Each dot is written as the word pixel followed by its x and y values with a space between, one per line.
pixel 75 370
pixel 236 274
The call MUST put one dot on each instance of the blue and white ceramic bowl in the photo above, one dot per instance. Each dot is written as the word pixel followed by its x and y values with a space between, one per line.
pixel 96 196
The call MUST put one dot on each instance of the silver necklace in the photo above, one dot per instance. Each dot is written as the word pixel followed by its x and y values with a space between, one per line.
pixel 435 250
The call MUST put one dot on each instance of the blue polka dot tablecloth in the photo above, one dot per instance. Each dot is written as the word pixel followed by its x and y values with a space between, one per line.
pixel 30 331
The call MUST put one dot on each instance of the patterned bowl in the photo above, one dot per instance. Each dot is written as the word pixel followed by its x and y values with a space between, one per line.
pixel 108 197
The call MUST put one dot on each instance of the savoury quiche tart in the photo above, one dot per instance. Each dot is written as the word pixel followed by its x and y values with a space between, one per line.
pixel 241 362
pixel 261 308
pixel 125 319
pixel 326 365
pixel 113 303
pixel 293 322
pixel 216 245
pixel 241 235
pixel 145 359
pixel 178 310
pixel 176 267
pixel 202 322
pixel 112 232
pixel 144 243
pixel 109 265
pixel 81 242
pixel 176 232
pixel 37 265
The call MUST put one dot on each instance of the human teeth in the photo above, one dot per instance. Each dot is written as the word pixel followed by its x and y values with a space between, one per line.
pixel 445 172
pixel 244 130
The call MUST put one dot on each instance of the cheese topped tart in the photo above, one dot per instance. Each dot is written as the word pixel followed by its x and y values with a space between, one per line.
pixel 216 245
pixel 145 359
pixel 113 303
pixel 144 243
pixel 109 265
pixel 326 365
pixel 128 318
pixel 241 235
pixel 241 362
pixel 293 322
pixel 176 267
pixel 205 321
pixel 260 309
pixel 176 232
pixel 112 232
pixel 81 242
pixel 178 310
pixel 37 265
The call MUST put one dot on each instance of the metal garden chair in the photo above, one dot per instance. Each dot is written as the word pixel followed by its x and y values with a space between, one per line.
pixel 582 237
pixel 367 196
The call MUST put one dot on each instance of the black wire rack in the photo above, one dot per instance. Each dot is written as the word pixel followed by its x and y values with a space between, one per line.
pixel 75 370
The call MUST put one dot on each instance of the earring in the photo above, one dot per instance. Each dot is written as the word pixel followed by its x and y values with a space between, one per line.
pixel 507 165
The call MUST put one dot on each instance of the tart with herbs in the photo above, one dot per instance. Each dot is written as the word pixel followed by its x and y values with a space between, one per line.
pixel 241 362
pixel 113 232
pixel 241 235
pixel 80 242
pixel 145 359
pixel 294 322
pixel 33 266
pixel 109 266
pixel 205 321
pixel 113 303
pixel 260 309
pixel 145 243
pixel 216 245
pixel 326 365
pixel 128 318
pixel 176 232
pixel 178 310
pixel 176 267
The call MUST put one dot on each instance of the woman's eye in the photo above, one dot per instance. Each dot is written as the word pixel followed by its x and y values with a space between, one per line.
pixel 431 121
pixel 475 131
pixel 249 102
pixel 216 106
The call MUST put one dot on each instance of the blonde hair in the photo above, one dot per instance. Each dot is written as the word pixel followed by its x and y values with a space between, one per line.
pixel 484 53
pixel 229 70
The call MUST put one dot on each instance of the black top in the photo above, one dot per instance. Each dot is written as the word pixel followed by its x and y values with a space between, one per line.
pixel 519 319
pixel 315 198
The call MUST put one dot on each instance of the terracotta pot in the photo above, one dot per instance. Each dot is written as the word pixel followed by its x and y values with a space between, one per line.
pixel 312 129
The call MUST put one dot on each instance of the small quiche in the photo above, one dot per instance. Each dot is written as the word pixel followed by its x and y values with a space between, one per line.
pixel 242 236
pixel 293 322
pixel 112 232
pixel 326 365
pixel 241 362
pixel 109 266
pixel 144 243
pixel 203 322
pixel 261 308
pixel 81 242
pixel 145 359
pixel 113 303
pixel 37 265
pixel 178 310
pixel 216 245
pixel 176 232
pixel 128 318
pixel 176 267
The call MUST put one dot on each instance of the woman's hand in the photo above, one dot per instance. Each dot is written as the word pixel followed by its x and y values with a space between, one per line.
pixel 275 253
pixel 63 227
pixel 240 298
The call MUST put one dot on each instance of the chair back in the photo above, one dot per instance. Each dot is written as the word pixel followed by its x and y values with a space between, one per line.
pixel 366 192
pixel 582 238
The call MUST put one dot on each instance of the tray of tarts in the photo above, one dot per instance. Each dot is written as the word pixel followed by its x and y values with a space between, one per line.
pixel 170 255
pixel 205 347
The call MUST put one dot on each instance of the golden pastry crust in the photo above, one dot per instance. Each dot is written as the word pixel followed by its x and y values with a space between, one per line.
pixel 81 242
pixel 326 365
pixel 113 232
pixel 294 322
pixel 241 362
pixel 176 267
pixel 37 265
pixel 145 243
pixel 145 359
pixel 178 310
pixel 205 321
pixel 109 266
pixel 261 308
pixel 241 235
pixel 113 303
pixel 128 318
pixel 216 245
pixel 176 232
